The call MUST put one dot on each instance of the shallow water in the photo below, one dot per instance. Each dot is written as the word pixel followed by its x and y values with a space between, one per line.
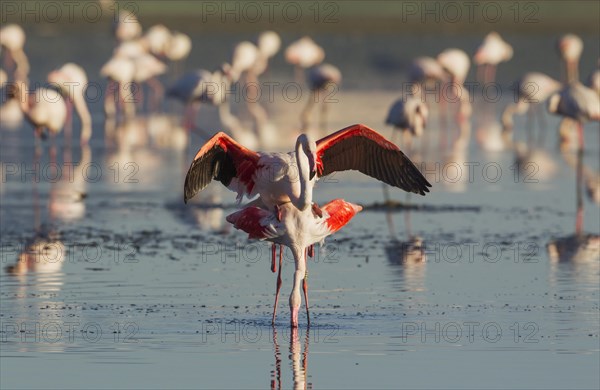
pixel 148 292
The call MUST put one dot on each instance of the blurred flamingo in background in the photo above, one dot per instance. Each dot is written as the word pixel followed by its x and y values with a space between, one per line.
pixel 323 83
pixel 12 39
pixel 409 116
pixel 570 47
pixel 72 82
pixel 532 89
pixel 126 27
pixel 456 63
pixel 303 54
pixel 120 71
pixel 45 109
pixel 490 53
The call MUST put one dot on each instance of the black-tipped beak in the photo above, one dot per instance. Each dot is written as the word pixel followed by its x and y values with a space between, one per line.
pixel 312 174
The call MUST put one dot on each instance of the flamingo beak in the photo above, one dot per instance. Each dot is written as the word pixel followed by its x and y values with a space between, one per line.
pixel 312 165
pixel 294 319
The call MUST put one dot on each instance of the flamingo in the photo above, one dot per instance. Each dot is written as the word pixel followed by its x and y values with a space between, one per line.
pixel 12 39
pixel 178 49
pixel 147 69
pixel 275 176
pixel 45 108
pixel 244 57
pixel 281 178
pixel 532 88
pixel 297 229
pixel 268 45
pixel 456 63
pixel 490 53
pixel 126 27
pixel 157 39
pixel 120 71
pixel 72 82
pixel 578 102
pixel 319 79
pixel 202 86
pixel 303 54
pixel 570 47
pixel 409 115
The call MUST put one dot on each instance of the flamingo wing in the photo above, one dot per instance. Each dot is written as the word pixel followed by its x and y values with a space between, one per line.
pixel 259 223
pixel 360 148
pixel 222 159
pixel 339 213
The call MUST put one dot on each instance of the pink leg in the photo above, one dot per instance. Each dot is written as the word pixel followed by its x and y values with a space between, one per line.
pixel 305 290
pixel 278 285
pixel 68 131
pixel 580 133
pixel 273 265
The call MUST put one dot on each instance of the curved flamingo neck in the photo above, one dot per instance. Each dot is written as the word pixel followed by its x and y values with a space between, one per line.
pixel 305 199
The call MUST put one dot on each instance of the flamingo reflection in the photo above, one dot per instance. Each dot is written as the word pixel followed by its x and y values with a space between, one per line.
pixel 298 360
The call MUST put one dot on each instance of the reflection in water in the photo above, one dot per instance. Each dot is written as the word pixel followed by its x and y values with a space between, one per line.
pixel 67 196
pixel 534 164
pixel 458 155
pixel 579 251
pixel 298 360
pixel 407 257
pixel 165 133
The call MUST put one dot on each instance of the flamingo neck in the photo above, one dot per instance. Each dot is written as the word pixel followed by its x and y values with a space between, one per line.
pixel 305 199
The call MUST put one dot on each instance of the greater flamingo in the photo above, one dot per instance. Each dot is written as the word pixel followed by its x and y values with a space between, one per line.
pixel 490 53
pixel 578 102
pixel 320 79
pixel 126 27
pixel 298 229
pixel 456 63
pixel 120 71
pixel 12 39
pixel 72 82
pixel 274 176
pixel 570 47
pixel 531 89
pixel 303 54
pixel 409 115
pixel 201 86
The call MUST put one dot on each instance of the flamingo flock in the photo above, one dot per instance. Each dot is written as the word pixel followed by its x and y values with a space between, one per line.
pixel 279 186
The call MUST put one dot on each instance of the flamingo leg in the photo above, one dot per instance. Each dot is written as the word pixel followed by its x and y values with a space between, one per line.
pixel 305 290
pixel 579 192
pixel 305 115
pixel 273 252
pixel 278 284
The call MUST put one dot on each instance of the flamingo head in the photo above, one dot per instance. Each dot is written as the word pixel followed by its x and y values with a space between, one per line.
pixel 309 148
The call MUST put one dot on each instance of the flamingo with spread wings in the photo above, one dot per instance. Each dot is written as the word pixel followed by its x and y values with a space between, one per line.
pixel 285 181
pixel 277 177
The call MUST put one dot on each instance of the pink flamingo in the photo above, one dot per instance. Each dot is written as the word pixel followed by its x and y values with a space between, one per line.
pixel 303 54
pixel 72 81
pixel 320 78
pixel 120 71
pixel 492 51
pixel 532 88
pixel 274 176
pixel 409 116
pixel 126 27
pixel 456 63
pixel 45 109
pixel 577 102
pixel 281 178
pixel 298 230
pixel 12 39
pixel 570 47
